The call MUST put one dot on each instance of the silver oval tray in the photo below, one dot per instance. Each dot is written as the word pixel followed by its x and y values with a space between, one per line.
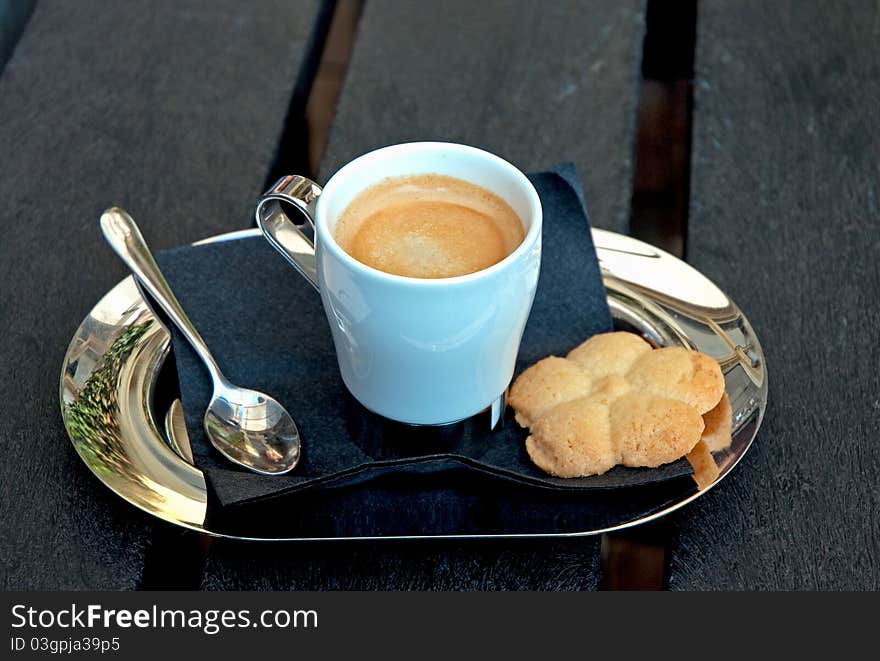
pixel 112 401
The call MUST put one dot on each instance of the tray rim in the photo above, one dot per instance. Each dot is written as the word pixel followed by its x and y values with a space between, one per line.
pixel 192 523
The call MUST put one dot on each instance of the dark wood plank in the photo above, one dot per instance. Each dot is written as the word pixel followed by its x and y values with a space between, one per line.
pixel 538 83
pixel 13 17
pixel 785 215
pixel 454 565
pixel 535 82
pixel 173 110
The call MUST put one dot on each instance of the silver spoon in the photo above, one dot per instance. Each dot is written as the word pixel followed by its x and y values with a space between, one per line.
pixel 248 427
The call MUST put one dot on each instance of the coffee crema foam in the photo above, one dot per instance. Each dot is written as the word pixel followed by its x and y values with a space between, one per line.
pixel 428 226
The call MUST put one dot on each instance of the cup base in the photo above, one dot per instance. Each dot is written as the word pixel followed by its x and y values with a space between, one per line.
pixel 382 438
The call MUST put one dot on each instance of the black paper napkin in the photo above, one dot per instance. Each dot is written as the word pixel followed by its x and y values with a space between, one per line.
pixel 268 331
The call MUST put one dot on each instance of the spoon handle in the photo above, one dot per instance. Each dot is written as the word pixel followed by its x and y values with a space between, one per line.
pixel 125 238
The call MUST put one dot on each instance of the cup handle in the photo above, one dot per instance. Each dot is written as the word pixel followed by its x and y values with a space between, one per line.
pixel 281 232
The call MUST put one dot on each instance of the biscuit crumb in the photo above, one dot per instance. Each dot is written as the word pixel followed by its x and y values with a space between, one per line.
pixel 719 425
pixel 705 469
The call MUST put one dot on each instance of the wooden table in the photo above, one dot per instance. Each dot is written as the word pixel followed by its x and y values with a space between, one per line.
pixel 785 212
pixel 183 112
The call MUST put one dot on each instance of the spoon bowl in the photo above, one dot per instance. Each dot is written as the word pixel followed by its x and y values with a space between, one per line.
pixel 251 428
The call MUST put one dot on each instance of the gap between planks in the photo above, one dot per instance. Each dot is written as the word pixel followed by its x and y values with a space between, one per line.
pixel 638 558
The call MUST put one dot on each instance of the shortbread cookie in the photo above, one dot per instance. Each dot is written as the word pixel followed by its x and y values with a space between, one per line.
pixel 589 436
pixel 719 425
pixel 678 373
pixel 547 383
pixel 615 400
pixel 609 353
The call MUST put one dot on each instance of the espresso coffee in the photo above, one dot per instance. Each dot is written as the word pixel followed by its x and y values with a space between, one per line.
pixel 428 226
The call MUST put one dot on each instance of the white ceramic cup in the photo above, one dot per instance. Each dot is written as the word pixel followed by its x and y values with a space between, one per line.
pixel 419 351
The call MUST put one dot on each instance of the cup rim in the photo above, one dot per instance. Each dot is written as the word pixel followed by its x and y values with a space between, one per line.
pixel 326 240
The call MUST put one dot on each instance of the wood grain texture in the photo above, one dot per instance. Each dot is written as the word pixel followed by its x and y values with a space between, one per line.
pixel 785 216
pixel 535 82
pixel 174 111
pixel 454 565
pixel 538 83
